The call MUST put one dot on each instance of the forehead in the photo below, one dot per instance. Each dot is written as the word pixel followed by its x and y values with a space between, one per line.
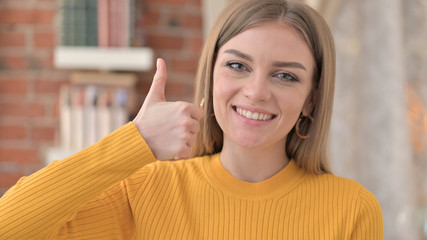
pixel 271 40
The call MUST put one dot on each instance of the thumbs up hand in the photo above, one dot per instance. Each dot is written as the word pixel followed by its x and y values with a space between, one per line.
pixel 169 128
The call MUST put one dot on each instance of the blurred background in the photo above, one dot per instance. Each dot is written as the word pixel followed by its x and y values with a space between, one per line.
pixel 73 70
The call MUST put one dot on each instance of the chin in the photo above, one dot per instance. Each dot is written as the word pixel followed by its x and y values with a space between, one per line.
pixel 248 142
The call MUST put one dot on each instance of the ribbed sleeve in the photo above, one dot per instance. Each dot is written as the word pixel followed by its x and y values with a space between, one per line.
pixel 40 205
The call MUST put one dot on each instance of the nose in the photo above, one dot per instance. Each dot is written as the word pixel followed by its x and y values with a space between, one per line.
pixel 257 89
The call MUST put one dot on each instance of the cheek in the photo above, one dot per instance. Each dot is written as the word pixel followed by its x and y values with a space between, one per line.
pixel 291 103
pixel 223 88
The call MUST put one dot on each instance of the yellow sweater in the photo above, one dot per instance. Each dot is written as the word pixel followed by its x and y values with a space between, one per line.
pixel 116 190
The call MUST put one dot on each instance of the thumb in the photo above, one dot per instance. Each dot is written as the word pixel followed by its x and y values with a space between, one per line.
pixel 157 89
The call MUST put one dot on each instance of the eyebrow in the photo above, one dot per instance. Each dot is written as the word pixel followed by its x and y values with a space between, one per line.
pixel 239 54
pixel 276 63
pixel 289 64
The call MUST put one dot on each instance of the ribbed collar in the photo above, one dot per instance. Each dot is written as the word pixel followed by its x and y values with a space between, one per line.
pixel 280 184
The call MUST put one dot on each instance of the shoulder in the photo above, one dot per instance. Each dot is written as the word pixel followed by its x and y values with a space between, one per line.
pixel 349 186
pixel 362 206
pixel 367 215
pixel 343 189
pixel 332 184
pixel 368 212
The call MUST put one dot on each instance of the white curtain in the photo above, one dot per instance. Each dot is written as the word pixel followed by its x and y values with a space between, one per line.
pixel 370 139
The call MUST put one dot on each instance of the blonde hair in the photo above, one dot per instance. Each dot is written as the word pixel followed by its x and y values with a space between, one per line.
pixel 310 153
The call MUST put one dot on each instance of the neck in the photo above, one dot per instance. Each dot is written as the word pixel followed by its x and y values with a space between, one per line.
pixel 253 165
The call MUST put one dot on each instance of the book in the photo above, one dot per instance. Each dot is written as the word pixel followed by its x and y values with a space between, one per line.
pixel 92 23
pixel 71 22
pixel 62 20
pixel 65 117
pixel 80 22
pixel 123 23
pixel 131 22
pixel 77 118
pixel 104 120
pixel 119 108
pixel 114 23
pixel 97 104
pixel 103 23
pixel 90 116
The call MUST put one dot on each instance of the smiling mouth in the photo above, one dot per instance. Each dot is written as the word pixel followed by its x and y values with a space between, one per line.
pixel 254 115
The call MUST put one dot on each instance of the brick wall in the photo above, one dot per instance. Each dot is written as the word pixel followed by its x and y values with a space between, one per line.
pixel 29 83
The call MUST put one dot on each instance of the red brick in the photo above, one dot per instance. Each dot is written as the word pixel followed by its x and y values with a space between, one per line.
pixel 43 133
pixel 165 42
pixel 184 65
pixel 41 62
pixel 181 2
pixel 22 156
pixel 175 90
pixel 192 21
pixel 150 19
pixel 47 61
pixel 11 132
pixel 196 44
pixel 26 16
pixel 142 87
pixel 44 40
pixel 14 16
pixel 55 109
pixel 13 87
pixel 43 16
pixel 197 2
pixel 22 110
pixel 12 39
pixel 7 180
pixel 3 191
pixel 15 62
pixel 186 21
pixel 46 86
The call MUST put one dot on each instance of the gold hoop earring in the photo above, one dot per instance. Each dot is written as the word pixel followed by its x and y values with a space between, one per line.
pixel 297 126
pixel 202 106
pixel 202 103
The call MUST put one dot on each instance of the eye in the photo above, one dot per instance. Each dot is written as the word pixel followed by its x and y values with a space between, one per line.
pixel 236 66
pixel 283 76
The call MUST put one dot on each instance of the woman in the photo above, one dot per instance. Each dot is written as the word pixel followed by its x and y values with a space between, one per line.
pixel 258 140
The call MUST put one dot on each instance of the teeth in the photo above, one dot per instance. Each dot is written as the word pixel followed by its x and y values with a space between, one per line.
pixel 254 116
pixel 265 117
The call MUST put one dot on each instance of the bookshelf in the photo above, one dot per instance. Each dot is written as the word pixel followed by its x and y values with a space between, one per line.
pixel 96 41
pixel 93 105
pixel 99 35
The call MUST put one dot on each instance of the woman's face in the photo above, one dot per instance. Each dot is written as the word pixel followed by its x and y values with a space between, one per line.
pixel 262 82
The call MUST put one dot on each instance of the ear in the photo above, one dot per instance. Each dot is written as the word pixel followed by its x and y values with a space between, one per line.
pixel 310 103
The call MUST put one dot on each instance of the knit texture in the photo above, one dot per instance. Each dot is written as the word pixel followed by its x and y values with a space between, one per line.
pixel 116 190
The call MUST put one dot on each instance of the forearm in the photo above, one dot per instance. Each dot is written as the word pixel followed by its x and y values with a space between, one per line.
pixel 41 203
